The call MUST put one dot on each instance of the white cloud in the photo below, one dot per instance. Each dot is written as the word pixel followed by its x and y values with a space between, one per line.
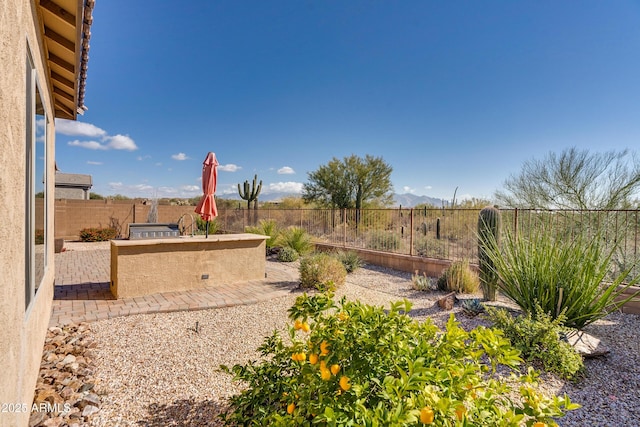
pixel 74 128
pixel 407 189
pixel 91 162
pixel 158 164
pixel 286 187
pixel 428 187
pixel 286 170
pixel 121 142
pixel 87 130
pixel 118 142
pixel 141 158
pixel 179 156
pixel 91 145
pixel 146 190
pixel 165 191
pixel 229 168
pixel 227 189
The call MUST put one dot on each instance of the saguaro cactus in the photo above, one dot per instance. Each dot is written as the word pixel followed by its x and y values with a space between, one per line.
pixel 489 224
pixel 250 194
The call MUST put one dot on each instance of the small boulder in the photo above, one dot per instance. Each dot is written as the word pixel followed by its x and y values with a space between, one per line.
pixel 447 301
pixel 587 345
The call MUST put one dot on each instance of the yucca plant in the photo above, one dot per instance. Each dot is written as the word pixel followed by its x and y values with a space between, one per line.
pixel 349 259
pixel 563 275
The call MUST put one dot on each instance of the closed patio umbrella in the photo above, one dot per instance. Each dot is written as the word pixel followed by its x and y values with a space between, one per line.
pixel 207 205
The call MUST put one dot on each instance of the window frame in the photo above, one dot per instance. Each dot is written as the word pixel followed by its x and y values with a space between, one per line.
pixel 36 161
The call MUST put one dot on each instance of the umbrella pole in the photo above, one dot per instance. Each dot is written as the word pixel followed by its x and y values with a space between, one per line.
pixel 206 233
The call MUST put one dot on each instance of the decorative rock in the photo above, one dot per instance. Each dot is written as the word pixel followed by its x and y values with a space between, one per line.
pixel 66 393
pixel 587 345
pixel 53 422
pixel 446 302
pixel 89 399
pixel 86 387
pixel 36 418
pixel 89 410
pixel 48 395
pixel 66 378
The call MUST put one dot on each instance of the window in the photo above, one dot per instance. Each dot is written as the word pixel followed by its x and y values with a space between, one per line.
pixel 35 186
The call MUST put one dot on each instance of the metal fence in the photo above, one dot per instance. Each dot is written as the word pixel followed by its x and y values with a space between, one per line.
pixel 440 233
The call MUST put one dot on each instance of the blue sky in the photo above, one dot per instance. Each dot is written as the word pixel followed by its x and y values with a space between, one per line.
pixel 450 94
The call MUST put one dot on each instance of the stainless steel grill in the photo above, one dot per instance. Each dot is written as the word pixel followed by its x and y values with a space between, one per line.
pixel 153 231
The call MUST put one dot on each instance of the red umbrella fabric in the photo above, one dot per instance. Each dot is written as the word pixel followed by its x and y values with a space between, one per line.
pixel 207 206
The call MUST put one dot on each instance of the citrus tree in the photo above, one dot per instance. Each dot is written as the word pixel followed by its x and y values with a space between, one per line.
pixel 353 364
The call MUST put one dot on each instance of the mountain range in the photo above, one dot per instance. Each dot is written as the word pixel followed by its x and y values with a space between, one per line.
pixel 406 200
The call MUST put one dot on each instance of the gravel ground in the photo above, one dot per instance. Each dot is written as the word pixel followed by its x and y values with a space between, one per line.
pixel 155 370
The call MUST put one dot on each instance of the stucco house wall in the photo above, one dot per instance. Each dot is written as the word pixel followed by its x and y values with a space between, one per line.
pixel 23 327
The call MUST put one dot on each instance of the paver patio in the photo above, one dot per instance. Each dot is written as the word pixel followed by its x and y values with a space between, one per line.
pixel 82 289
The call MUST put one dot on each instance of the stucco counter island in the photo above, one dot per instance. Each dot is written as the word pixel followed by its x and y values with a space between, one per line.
pixel 149 266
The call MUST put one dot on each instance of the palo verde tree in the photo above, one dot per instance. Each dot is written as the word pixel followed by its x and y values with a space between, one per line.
pixel 574 179
pixel 350 183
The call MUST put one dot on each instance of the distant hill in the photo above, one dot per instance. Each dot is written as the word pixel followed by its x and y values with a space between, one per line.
pixel 406 200
pixel 409 200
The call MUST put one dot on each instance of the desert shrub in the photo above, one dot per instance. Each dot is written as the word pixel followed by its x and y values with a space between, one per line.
pixel 39 237
pixel 355 364
pixel 426 246
pixel 297 239
pixel 97 234
pixel 539 338
pixel 349 259
pixel 321 271
pixel 379 240
pixel 287 255
pixel 266 228
pixel 422 282
pixel 459 277
pixel 201 226
pixel 564 275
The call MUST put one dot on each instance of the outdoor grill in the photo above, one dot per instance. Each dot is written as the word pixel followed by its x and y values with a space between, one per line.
pixel 153 231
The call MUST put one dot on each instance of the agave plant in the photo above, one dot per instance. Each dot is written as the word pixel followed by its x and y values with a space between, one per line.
pixel 472 307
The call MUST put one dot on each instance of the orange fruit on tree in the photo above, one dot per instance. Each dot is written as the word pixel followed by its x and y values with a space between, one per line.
pixel 297 325
pixel 325 374
pixel 540 424
pixel 305 327
pixel 313 358
pixel 324 348
pixel 335 369
pixel 299 357
pixel 290 408
pixel 345 383
pixel 460 411
pixel 426 415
